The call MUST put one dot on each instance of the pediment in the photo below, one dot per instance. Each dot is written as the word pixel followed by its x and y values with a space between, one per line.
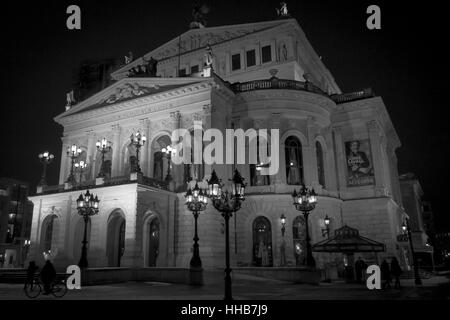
pixel 129 89
pixel 199 38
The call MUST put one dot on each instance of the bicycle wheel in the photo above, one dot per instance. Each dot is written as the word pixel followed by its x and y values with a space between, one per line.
pixel 59 289
pixel 32 290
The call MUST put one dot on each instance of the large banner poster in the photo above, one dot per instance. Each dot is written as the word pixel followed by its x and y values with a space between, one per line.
pixel 359 163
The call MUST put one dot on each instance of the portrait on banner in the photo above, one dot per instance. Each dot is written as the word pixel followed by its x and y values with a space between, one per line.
pixel 359 163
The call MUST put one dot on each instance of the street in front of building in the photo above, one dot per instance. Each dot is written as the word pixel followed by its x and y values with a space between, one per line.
pixel 245 288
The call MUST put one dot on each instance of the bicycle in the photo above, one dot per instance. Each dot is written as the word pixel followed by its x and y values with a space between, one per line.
pixel 58 288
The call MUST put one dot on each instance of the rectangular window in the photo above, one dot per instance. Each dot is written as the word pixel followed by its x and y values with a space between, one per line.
pixel 182 73
pixel 235 62
pixel 266 53
pixel 251 58
pixel 194 69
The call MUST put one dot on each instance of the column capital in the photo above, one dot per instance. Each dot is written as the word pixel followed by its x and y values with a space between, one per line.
pixel 276 120
pixel 116 128
pixel 373 125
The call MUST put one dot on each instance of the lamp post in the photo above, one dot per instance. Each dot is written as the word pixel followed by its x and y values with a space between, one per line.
pixel 326 231
pixel 169 150
pixel 406 228
pixel 46 158
pixel 196 202
pixel 81 166
pixel 305 201
pixel 227 202
pixel 103 146
pixel 73 152
pixel 138 140
pixel 87 206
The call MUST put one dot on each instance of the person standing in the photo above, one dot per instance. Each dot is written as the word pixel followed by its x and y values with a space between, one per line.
pixel 396 272
pixel 360 265
pixel 385 274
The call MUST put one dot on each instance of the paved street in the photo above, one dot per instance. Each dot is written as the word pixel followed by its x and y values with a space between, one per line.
pixel 245 287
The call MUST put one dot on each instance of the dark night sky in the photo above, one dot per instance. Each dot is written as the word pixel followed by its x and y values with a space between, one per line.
pixel 403 63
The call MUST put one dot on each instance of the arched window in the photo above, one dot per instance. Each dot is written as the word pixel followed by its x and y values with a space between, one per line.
pixel 160 160
pixel 294 161
pixel 320 164
pixel 256 178
pixel 49 235
pixel 262 242
pixel 299 238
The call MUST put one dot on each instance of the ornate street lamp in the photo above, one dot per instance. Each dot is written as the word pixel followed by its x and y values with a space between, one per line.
pixel 326 231
pixel 169 150
pixel 283 224
pixel 196 201
pixel 227 202
pixel 407 229
pixel 138 140
pixel 103 146
pixel 87 206
pixel 305 201
pixel 46 158
pixel 73 152
pixel 81 166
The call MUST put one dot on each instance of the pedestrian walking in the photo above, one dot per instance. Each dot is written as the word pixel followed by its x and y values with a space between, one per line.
pixel 396 271
pixel 385 274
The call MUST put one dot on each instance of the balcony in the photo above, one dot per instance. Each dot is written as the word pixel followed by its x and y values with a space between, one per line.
pixel 275 83
pixel 353 96
pixel 106 182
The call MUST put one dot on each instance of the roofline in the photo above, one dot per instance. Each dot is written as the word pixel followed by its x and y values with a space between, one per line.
pixel 140 59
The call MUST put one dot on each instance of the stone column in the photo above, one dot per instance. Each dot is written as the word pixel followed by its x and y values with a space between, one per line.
pixel 116 150
pixel 65 162
pixel 207 122
pixel 90 153
pixel 278 178
pixel 330 168
pixel 177 170
pixel 340 159
pixel 375 145
pixel 311 174
pixel 144 125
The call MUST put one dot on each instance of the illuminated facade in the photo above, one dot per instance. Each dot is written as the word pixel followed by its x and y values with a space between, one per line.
pixel 265 75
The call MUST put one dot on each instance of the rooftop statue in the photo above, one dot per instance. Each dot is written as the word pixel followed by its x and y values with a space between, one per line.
pixel 129 58
pixel 199 13
pixel 151 67
pixel 70 100
pixel 283 11
pixel 208 56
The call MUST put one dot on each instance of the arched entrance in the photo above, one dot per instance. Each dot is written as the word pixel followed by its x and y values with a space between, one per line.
pixel 299 238
pixel 49 234
pixel 262 243
pixel 115 242
pixel 153 242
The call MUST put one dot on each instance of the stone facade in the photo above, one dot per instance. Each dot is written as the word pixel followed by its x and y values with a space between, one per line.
pixel 295 94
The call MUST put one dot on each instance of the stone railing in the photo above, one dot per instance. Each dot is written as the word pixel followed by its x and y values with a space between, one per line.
pixel 352 96
pixel 105 182
pixel 275 83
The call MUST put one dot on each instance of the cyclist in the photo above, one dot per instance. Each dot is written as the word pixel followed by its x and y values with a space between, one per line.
pixel 32 267
pixel 48 276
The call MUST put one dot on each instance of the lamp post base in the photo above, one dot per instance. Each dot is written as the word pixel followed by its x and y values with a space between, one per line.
pixel 196 276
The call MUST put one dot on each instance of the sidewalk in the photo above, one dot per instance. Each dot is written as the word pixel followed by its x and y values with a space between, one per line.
pixel 245 288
